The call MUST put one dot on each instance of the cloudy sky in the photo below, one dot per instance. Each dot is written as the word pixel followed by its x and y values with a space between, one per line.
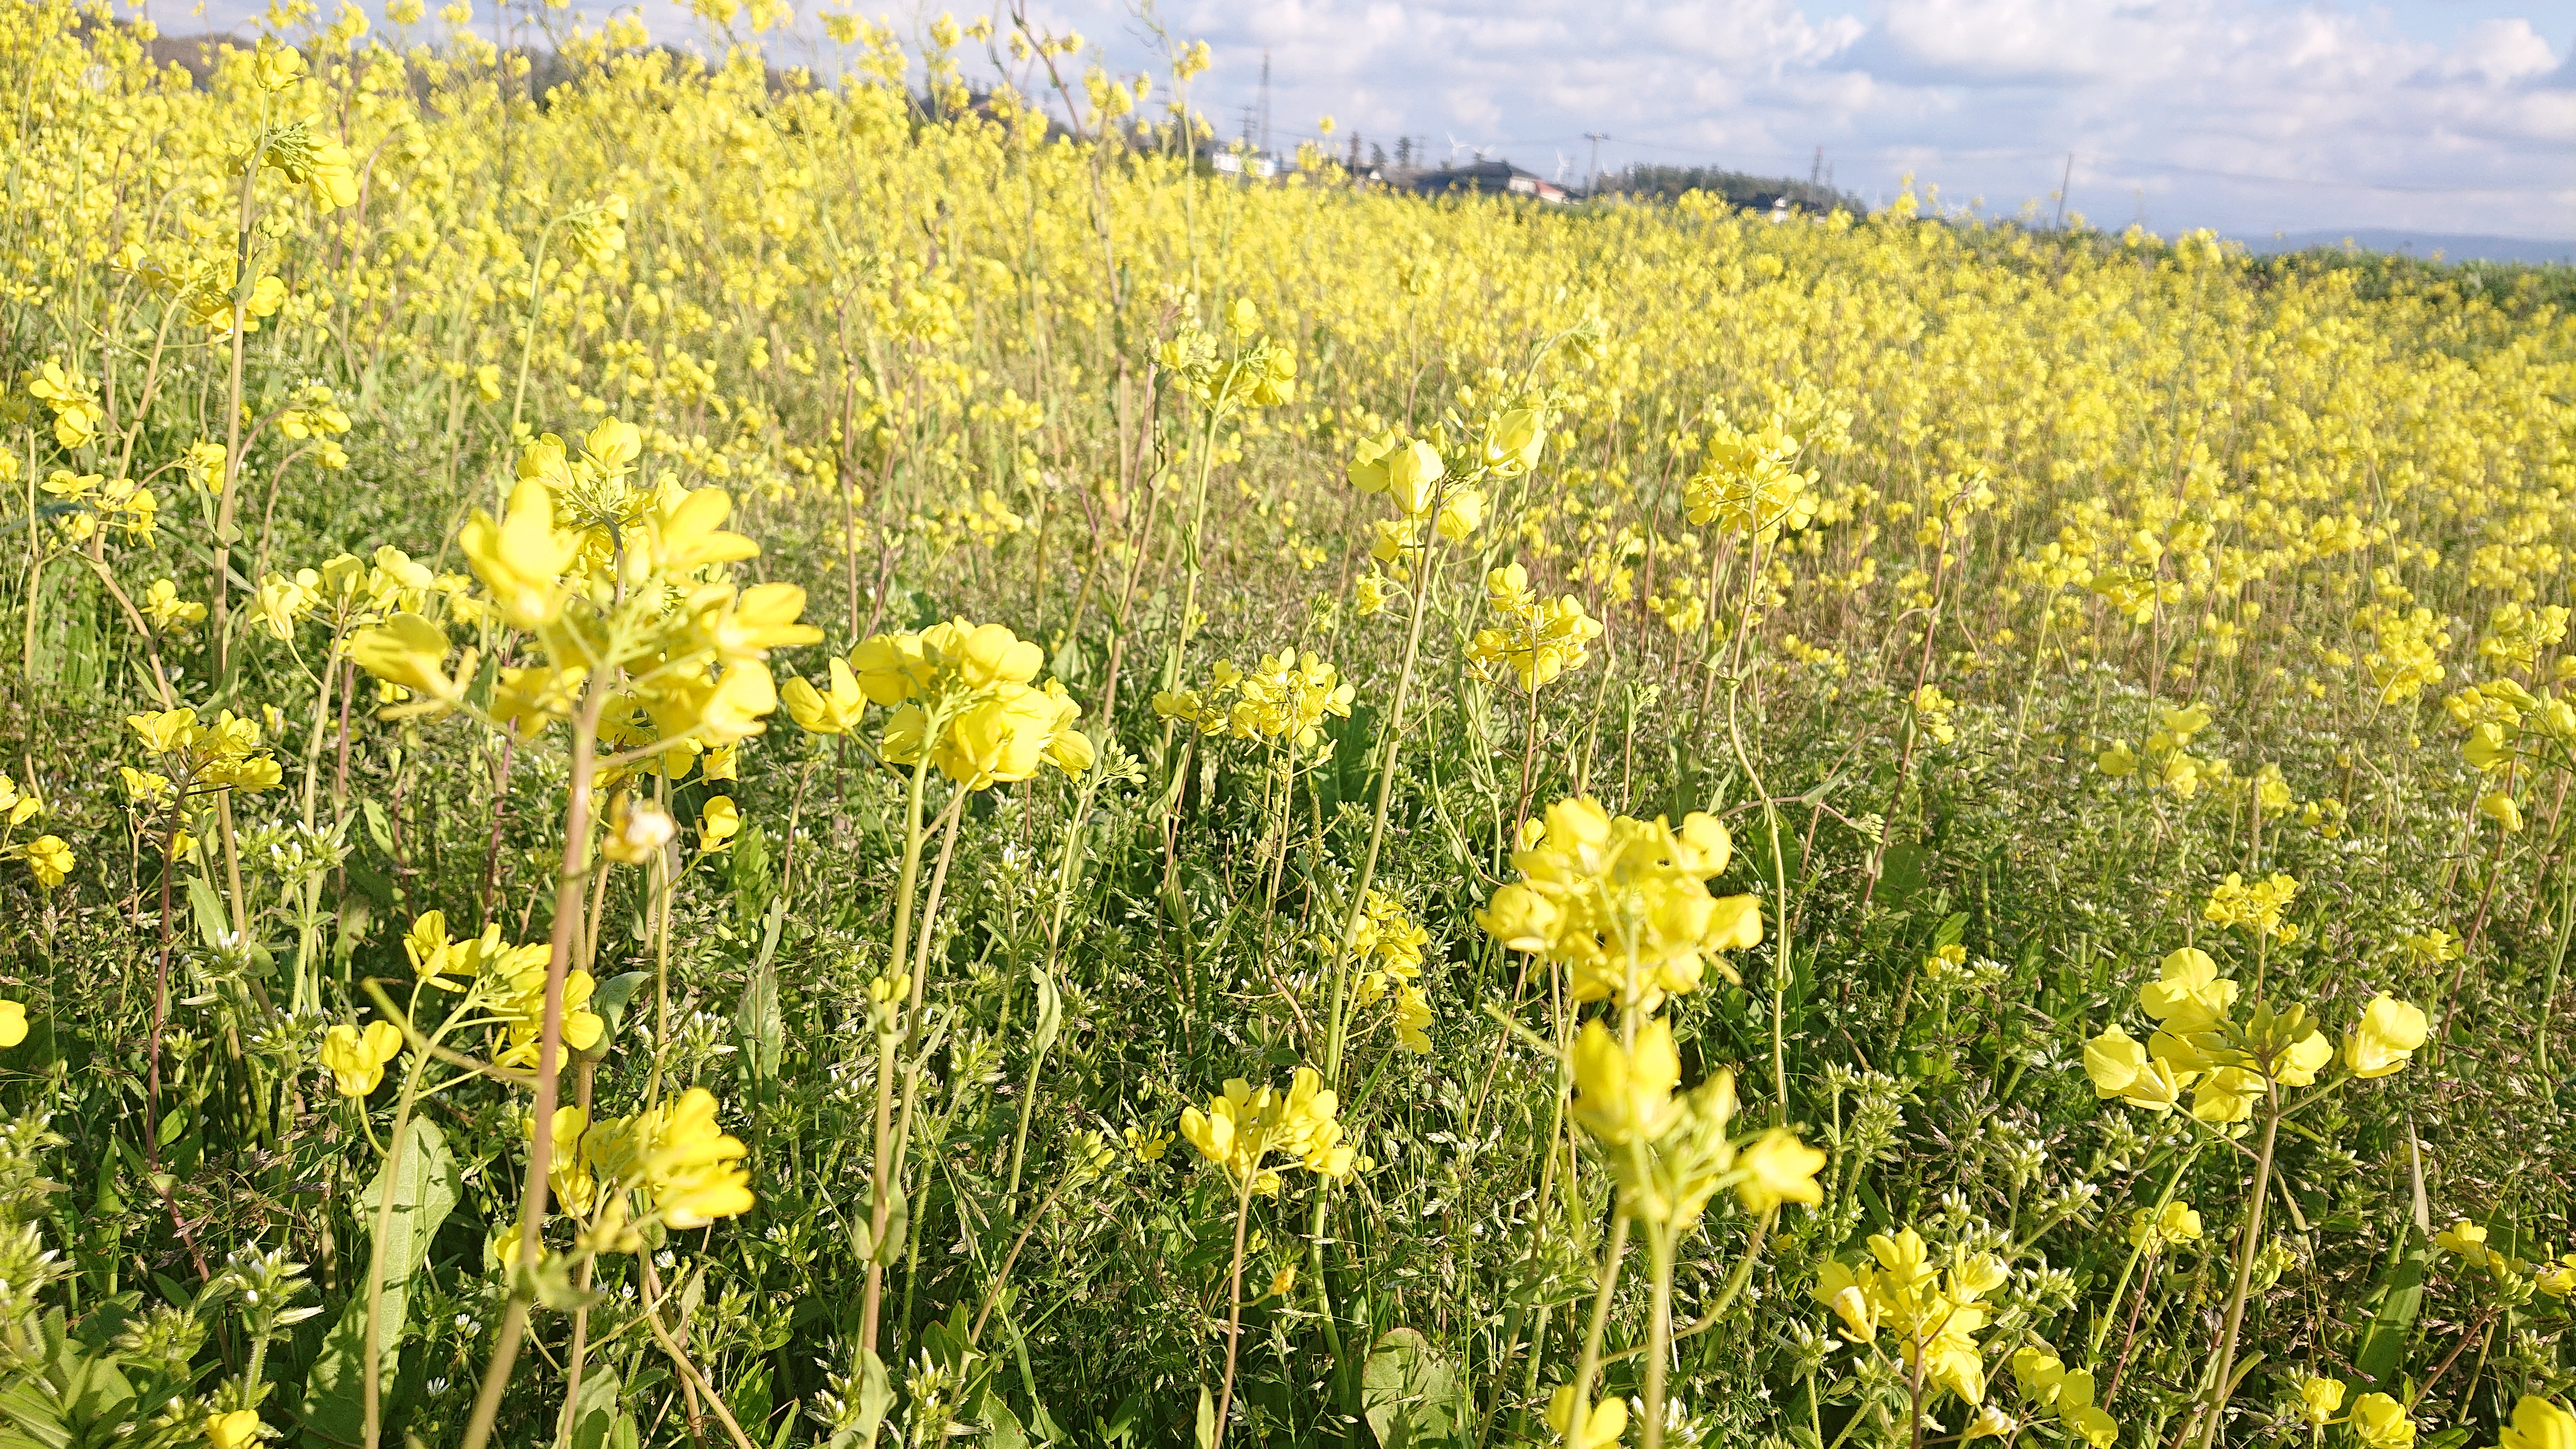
pixel 2433 115
pixel 2250 116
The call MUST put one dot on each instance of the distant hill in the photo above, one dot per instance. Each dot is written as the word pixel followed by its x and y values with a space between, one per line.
pixel 1758 192
pixel 2422 244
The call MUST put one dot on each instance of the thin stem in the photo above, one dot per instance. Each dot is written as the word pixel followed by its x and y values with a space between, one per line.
pixel 882 1206
pixel 1234 1309
pixel 1590 1363
pixel 2246 1250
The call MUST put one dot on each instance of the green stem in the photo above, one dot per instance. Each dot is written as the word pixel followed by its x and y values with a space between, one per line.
pixel 2226 1361
pixel 883 1204
pixel 1590 1363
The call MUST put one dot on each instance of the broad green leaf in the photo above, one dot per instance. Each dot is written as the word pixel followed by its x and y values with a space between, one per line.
pixel 1408 1391
pixel 594 1410
pixel 425 1189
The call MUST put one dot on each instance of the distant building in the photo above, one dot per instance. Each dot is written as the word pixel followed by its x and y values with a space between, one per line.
pixel 1236 163
pixel 1501 177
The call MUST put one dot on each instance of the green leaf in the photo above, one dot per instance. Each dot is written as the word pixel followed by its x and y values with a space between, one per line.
pixel 594 1409
pixel 760 1026
pixel 1003 1429
pixel 425 1186
pixel 2401 1297
pixel 379 829
pixel 1050 1013
pixel 874 1399
pixel 214 923
pixel 1408 1392
pixel 609 1003
pixel 1206 1436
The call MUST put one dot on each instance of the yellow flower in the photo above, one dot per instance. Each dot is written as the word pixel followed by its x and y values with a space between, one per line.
pixel 240 1428
pixel 2113 1060
pixel 2188 994
pixel 2499 806
pixel 1242 1127
pixel 528 699
pixel 637 830
pixel 2386 1037
pixel 2380 1422
pixel 718 823
pixel 2255 909
pixel 1281 1282
pixel 679 1156
pixel 2466 1239
pixel 1603 1421
pixel 2299 1062
pixel 2538 1424
pixel 1412 1015
pixel 431 953
pixel 1622 903
pixel 1148 1145
pixel 521 557
pixel 1624 1094
pixel 163 606
pixel 2177 1223
pixel 49 859
pixel 568 1173
pixel 816 712
pixel 2320 1399
pixel 410 651
pixel 891 668
pixel 356 1060
pixel 1779 1169
pixel 13 1023
pixel 1841 1289
pixel 2226 1095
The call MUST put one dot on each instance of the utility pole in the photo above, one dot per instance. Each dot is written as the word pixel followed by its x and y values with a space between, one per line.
pixel 2059 221
pixel 1816 172
pixel 1593 188
pixel 1265 100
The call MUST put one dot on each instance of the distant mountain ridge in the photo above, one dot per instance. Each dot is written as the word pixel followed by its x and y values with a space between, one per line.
pixel 2422 244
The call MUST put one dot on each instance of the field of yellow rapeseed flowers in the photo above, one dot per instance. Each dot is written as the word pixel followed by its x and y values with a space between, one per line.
pixel 700 754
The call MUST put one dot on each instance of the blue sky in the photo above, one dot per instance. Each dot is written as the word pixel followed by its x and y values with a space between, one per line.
pixel 2249 116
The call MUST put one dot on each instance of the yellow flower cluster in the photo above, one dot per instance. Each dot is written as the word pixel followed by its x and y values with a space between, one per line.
pixel 1386 952
pixel 1262 371
pixel 1286 696
pixel 2512 735
pixel 1671 1153
pixel 505 983
pixel 687 1168
pixel 1540 638
pixel 1623 903
pixel 2254 908
pixel 1933 1314
pixel 2169 762
pixel 225 755
pixel 1750 482
pixel 356 1059
pixel 2228 1064
pixel 962 689
pixel 1243 1128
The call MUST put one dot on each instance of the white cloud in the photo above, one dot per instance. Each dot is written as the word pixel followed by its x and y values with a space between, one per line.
pixel 2247 115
